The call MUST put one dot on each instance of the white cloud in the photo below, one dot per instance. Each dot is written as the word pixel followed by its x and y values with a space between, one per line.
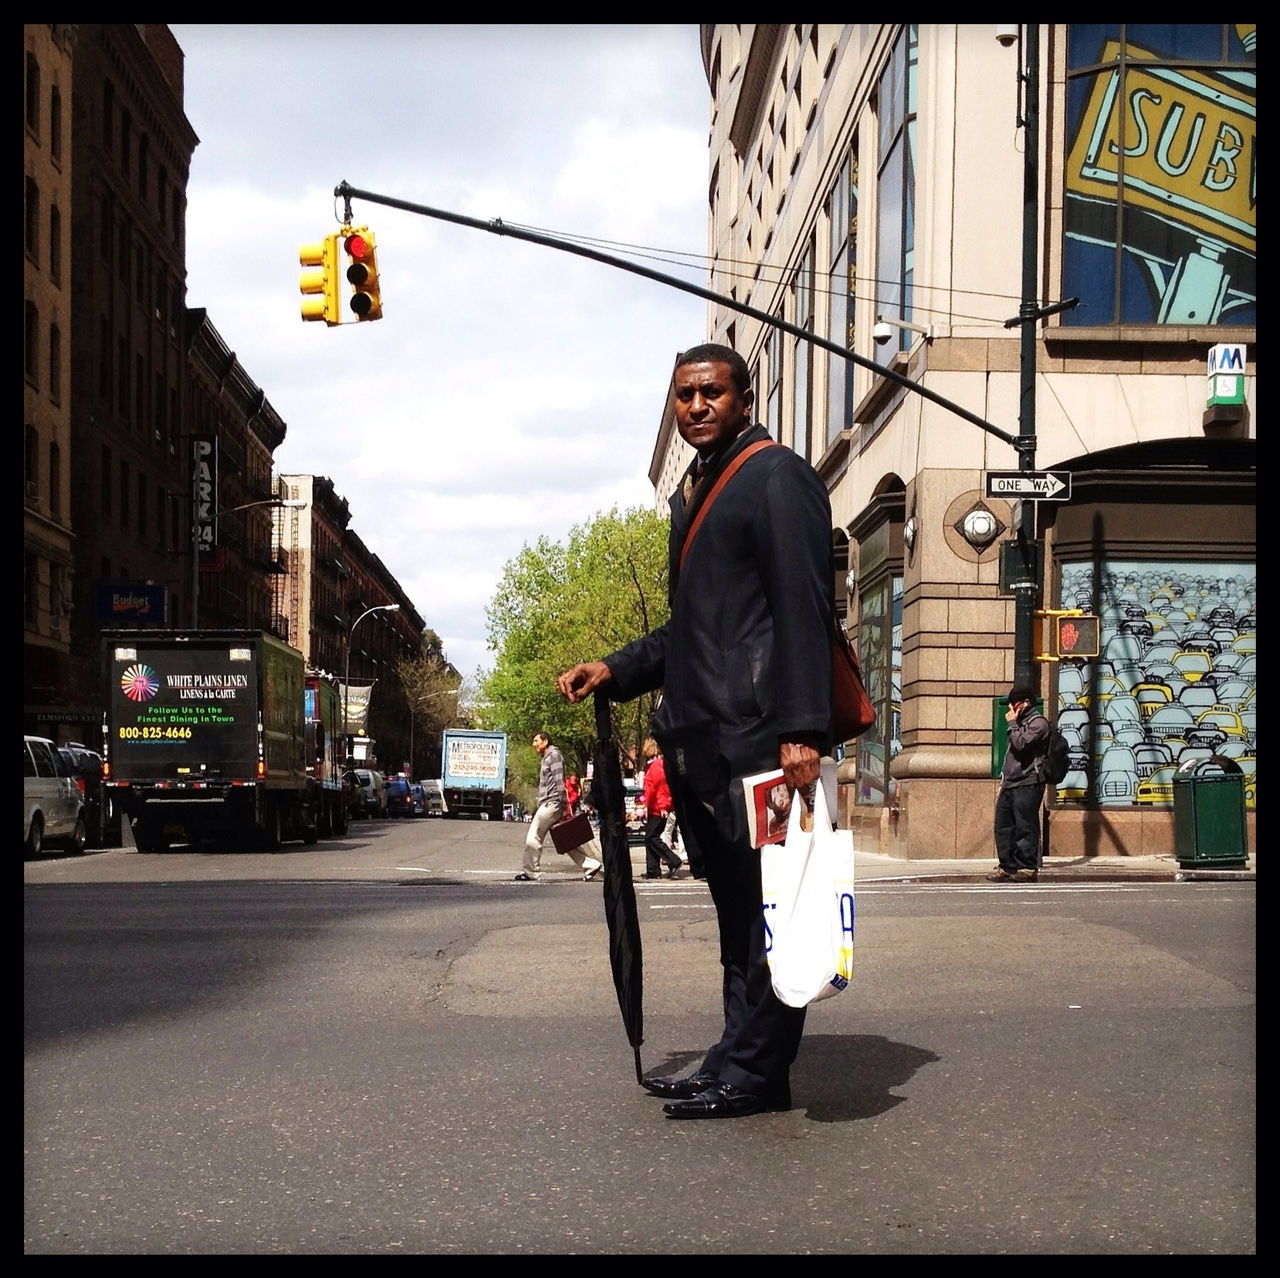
pixel 511 391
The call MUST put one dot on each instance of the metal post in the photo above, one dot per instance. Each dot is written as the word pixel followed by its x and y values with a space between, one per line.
pixel 1025 669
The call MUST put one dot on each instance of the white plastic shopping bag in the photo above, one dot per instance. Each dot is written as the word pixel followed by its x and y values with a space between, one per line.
pixel 808 906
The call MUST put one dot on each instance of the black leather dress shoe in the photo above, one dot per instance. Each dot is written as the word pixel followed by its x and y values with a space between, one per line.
pixel 723 1100
pixel 678 1088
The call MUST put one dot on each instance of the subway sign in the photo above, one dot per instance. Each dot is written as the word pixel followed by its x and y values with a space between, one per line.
pixel 1184 141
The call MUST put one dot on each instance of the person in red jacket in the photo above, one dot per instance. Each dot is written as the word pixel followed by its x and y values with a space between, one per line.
pixel 657 804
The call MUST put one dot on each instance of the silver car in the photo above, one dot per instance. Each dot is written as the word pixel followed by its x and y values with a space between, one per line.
pixel 53 808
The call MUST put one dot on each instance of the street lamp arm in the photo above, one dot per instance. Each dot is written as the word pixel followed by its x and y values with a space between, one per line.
pixel 346 680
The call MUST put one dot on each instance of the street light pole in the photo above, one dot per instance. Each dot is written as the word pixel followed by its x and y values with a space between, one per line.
pixel 279 503
pixel 346 681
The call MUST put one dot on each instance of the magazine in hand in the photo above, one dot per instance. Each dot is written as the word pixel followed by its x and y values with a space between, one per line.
pixel 769 802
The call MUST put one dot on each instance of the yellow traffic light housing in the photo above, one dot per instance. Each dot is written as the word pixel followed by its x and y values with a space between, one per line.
pixel 1066 634
pixel 321 294
pixel 362 273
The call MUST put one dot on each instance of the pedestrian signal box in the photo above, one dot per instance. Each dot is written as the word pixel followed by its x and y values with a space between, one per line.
pixel 1067 634
pixel 1077 636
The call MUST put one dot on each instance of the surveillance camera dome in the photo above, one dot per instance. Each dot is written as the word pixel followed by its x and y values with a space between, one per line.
pixel 1007 35
pixel 882 332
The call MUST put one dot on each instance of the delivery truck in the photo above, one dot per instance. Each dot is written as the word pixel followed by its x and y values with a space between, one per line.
pixel 474 764
pixel 205 738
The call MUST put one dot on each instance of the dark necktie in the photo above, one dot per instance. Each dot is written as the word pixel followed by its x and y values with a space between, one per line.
pixel 693 480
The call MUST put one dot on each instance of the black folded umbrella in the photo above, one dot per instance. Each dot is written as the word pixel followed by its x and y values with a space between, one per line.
pixel 619 891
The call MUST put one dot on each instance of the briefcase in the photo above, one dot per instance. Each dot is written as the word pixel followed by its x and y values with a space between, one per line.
pixel 572 833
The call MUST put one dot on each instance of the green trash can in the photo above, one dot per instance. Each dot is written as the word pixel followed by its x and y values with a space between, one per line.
pixel 1209 826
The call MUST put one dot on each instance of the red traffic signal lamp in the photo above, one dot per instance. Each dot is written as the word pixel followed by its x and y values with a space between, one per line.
pixel 362 273
pixel 1077 636
pixel 1071 635
pixel 319 284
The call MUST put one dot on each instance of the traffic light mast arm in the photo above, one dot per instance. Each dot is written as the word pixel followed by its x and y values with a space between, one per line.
pixel 497 227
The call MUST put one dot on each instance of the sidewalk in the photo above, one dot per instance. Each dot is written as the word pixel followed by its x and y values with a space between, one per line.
pixel 875 867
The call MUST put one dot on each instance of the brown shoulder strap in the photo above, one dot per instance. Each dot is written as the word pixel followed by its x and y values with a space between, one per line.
pixel 725 475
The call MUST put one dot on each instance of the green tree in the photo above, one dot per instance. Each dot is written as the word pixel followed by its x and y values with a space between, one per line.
pixel 436 697
pixel 558 605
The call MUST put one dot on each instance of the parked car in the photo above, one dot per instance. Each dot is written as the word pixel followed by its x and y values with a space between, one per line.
pixel 86 767
pixel 53 811
pixel 433 796
pixel 399 796
pixel 372 788
pixel 419 798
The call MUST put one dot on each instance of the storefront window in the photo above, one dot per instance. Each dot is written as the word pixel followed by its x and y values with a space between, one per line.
pixel 1174 679
pixel 1160 194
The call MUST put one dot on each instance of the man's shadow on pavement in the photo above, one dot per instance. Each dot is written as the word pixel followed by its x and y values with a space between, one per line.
pixel 838 1078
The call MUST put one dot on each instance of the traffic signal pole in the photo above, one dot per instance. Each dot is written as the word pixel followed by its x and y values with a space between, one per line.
pixel 1026 592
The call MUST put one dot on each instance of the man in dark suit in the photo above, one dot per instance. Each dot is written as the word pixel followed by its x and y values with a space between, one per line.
pixel 745 667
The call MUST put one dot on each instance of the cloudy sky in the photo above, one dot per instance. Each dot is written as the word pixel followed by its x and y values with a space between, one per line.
pixel 510 390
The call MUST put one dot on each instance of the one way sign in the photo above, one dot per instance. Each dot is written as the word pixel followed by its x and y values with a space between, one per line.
pixel 1038 485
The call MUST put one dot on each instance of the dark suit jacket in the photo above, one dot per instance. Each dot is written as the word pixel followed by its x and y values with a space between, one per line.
pixel 745 659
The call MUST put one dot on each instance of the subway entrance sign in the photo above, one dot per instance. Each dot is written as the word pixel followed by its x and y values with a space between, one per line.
pixel 1030 485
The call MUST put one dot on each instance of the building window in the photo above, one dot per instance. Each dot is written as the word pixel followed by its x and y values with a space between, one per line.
pixel 33 95
pixel 55 481
pixel 842 213
pixel 880 651
pixel 55 244
pixel 144 153
pixel 124 493
pixel 55 124
pixel 142 505
pixel 126 143
pixel 55 364
pixel 896 187
pixel 108 114
pixel 105 236
pixel 1160 184
pixel 31 337
pixel 31 227
pixel 104 360
pixel 802 355
pixel 122 377
pixel 773 405
pixel 30 590
pixel 104 479
pixel 139 394
pixel 31 460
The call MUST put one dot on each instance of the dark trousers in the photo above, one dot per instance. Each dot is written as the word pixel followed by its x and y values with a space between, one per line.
pixel 761 1033
pixel 1017 826
pixel 656 850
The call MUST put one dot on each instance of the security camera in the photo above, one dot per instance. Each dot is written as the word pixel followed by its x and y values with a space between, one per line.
pixel 882 332
pixel 1007 36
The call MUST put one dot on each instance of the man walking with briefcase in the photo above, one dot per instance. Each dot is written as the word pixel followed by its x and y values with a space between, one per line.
pixel 551 809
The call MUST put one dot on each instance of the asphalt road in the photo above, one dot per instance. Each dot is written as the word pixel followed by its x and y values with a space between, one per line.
pixel 385 1046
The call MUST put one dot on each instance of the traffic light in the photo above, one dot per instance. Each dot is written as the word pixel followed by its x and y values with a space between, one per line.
pixel 1076 636
pixel 362 273
pixel 321 294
